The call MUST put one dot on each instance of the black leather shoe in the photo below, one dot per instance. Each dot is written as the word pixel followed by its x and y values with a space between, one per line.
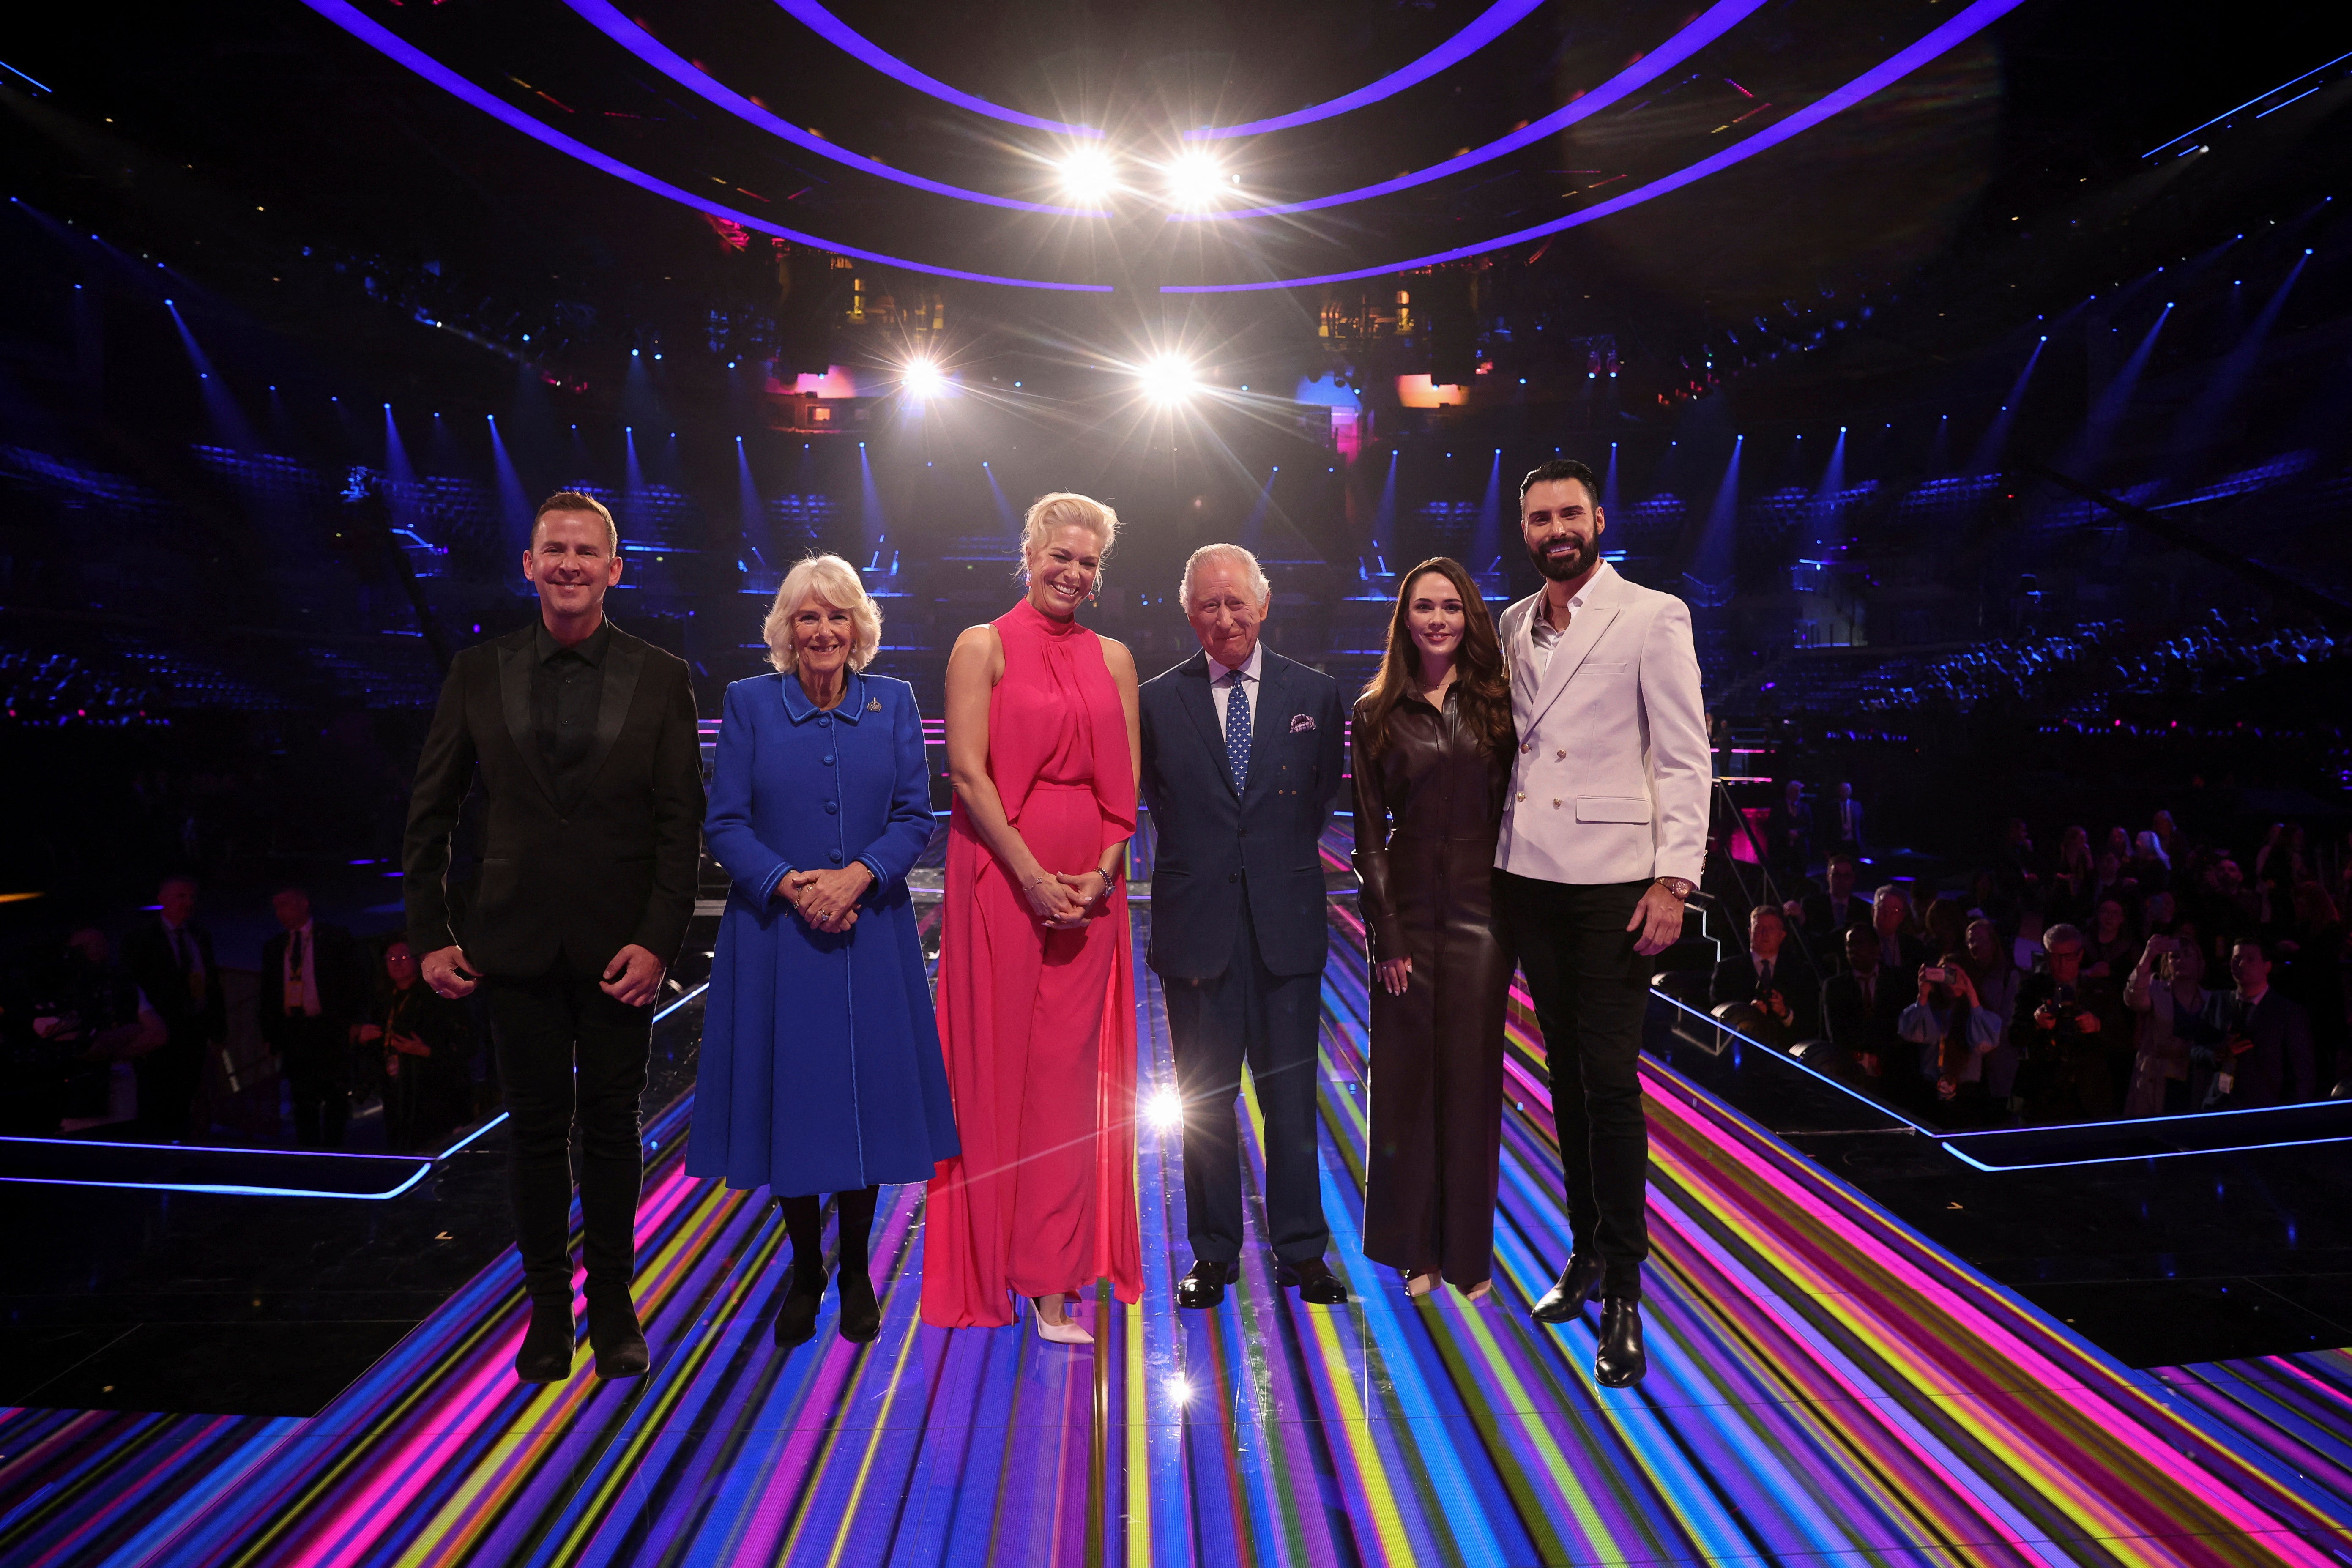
pixel 796 1320
pixel 1579 1283
pixel 1317 1286
pixel 1620 1360
pixel 1205 1285
pixel 615 1336
pixel 861 1314
pixel 546 1353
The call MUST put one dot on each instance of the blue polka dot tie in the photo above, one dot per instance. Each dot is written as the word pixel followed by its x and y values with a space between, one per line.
pixel 1237 729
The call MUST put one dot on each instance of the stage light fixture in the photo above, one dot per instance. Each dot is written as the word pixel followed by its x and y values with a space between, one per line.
pixel 921 378
pixel 1195 180
pixel 1167 378
pixel 1087 175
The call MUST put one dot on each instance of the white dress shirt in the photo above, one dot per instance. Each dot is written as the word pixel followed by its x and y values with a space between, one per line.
pixel 1221 690
pixel 1543 633
pixel 310 976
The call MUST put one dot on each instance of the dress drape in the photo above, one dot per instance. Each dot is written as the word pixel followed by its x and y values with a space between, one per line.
pixel 1038 1025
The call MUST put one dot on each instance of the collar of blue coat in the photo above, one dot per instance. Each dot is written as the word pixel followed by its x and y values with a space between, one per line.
pixel 851 709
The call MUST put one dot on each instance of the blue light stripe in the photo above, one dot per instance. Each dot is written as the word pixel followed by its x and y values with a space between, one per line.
pixel 12 70
pixel 469 1137
pixel 1961 28
pixel 839 34
pixel 1963 1155
pixel 1491 24
pixel 622 30
pixel 423 1168
pixel 2248 104
pixel 400 50
pixel 1710 25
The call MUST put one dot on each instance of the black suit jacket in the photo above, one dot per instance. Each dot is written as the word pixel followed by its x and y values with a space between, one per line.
pixel 1216 843
pixel 1792 978
pixel 1855 1030
pixel 345 986
pixel 2277 1070
pixel 578 879
pixel 1826 926
pixel 148 959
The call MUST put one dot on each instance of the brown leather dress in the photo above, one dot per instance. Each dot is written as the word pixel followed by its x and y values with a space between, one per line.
pixel 1428 811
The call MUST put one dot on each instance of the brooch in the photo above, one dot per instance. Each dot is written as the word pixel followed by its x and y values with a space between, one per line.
pixel 874 705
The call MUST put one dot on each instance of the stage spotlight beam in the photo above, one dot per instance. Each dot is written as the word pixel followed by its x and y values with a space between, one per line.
pixel 1195 180
pixel 1168 378
pixel 922 379
pixel 1087 175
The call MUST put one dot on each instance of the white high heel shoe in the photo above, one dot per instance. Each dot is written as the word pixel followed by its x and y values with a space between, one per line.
pixel 1065 1333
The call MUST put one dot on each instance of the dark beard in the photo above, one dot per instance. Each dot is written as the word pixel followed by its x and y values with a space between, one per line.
pixel 1563 568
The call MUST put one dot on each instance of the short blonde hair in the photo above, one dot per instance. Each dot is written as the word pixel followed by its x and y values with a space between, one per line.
pixel 835 581
pixel 573 500
pixel 1066 509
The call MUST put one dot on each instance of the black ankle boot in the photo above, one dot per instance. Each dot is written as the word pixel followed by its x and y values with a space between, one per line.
pixel 796 1320
pixel 861 1314
pixel 545 1356
pixel 1620 1360
pixel 616 1337
pixel 1579 1283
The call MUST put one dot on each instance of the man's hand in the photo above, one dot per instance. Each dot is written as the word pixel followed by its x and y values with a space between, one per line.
pixel 2086 1022
pixel 1659 918
pixel 450 972
pixel 1777 1005
pixel 632 978
pixel 2046 1016
pixel 408 1045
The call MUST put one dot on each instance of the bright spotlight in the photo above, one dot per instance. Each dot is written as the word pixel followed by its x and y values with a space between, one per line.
pixel 1167 378
pixel 1180 1389
pixel 1165 1110
pixel 1088 177
pixel 1195 179
pixel 922 379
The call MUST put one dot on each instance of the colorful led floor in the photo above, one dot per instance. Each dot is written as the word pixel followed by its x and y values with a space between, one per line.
pixel 1825 1387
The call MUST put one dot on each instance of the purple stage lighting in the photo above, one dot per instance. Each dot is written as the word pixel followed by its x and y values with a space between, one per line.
pixel 391 45
pixel 1710 25
pixel 837 33
pixel 1490 26
pixel 1961 27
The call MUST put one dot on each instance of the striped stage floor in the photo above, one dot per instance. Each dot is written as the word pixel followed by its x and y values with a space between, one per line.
pixel 1826 1387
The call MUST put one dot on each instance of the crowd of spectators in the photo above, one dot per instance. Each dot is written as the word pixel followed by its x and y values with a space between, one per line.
pixel 2131 973
pixel 328 1027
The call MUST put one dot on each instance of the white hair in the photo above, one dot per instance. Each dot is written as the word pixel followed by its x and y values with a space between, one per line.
pixel 834 582
pixel 1234 553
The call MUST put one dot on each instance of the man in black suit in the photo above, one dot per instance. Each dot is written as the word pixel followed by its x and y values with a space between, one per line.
pixel 314 991
pixel 1828 916
pixel 1243 752
pixel 1862 1006
pixel 1774 975
pixel 2264 1056
pixel 1839 832
pixel 170 958
pixel 1789 838
pixel 585 742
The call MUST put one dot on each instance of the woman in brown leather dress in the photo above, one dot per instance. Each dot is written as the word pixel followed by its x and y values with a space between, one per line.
pixel 1432 757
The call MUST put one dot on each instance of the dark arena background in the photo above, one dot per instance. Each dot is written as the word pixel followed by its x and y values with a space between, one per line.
pixel 1978 371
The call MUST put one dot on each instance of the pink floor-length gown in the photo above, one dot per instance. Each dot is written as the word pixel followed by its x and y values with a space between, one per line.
pixel 1038 1025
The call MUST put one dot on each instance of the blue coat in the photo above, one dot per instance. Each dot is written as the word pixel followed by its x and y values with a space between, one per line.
pixel 1216 843
pixel 821 1068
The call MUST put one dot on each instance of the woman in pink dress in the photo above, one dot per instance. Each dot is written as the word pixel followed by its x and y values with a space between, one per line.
pixel 1036 991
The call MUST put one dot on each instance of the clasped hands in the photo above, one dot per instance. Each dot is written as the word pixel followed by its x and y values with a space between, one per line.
pixel 1067 900
pixel 827 900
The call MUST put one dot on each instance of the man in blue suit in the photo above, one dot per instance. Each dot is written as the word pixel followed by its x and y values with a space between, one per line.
pixel 1241 760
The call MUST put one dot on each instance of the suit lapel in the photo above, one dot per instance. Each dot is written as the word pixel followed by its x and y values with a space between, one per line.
pixel 1584 629
pixel 625 660
pixel 514 701
pixel 1203 709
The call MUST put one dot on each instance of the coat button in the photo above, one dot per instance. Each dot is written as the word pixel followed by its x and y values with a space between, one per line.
pixel 1521 795
pixel 834 856
pixel 1554 802
pixel 1562 752
pixel 1233 875
pixel 828 758
pixel 1528 746
pixel 832 807
pixel 824 722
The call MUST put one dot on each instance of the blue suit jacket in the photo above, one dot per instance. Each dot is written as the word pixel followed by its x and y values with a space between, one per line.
pixel 1217 844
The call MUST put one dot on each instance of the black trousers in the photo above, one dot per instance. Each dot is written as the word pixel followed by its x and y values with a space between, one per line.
pixel 1591 990
pixel 169 1078
pixel 1249 1014
pixel 569 1054
pixel 315 1057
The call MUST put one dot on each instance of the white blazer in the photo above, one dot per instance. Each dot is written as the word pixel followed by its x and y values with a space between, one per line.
pixel 1613 769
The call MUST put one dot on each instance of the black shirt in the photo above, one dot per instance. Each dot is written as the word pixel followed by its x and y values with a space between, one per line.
pixel 567 691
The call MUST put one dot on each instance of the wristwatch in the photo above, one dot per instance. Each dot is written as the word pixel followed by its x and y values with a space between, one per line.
pixel 1682 888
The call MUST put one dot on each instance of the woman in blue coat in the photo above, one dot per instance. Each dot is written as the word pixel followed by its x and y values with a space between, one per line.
pixel 821 1068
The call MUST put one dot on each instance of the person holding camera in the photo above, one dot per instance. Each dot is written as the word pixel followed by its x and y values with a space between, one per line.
pixel 2167 989
pixel 1774 976
pixel 2064 1076
pixel 1955 1031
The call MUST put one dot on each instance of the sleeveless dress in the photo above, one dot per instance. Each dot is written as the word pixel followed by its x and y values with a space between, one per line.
pixel 1038 1025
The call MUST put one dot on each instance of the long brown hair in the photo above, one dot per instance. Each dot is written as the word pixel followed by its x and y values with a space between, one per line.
pixel 1482 691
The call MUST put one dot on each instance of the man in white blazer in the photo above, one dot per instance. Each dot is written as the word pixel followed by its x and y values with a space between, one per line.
pixel 1604 834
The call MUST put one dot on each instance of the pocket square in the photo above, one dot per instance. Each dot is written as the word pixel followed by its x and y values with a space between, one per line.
pixel 1301 721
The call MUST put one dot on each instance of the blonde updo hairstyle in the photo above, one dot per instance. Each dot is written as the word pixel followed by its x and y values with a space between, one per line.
pixel 1065 508
pixel 835 581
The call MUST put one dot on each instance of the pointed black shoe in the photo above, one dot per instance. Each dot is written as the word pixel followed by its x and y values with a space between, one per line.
pixel 861 1314
pixel 1620 1360
pixel 616 1337
pixel 1579 1283
pixel 1205 1285
pixel 545 1356
pixel 796 1319
pixel 1317 1286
